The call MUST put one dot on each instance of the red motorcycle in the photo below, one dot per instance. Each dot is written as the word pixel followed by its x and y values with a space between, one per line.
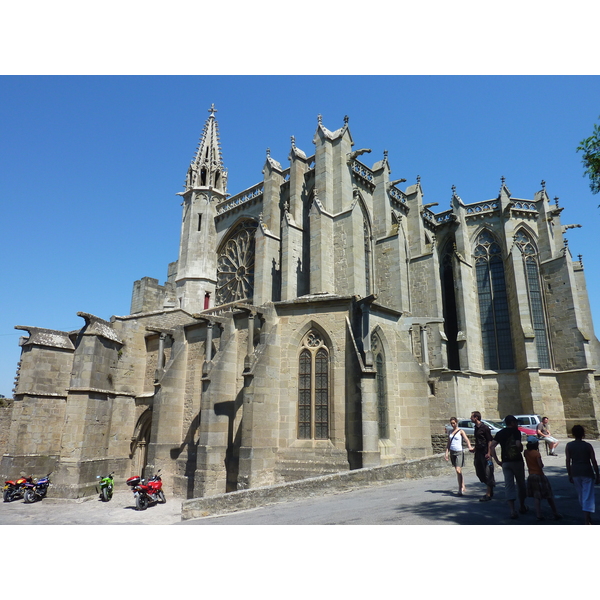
pixel 14 490
pixel 147 492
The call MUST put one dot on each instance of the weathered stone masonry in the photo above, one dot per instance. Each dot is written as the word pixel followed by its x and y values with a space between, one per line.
pixel 319 321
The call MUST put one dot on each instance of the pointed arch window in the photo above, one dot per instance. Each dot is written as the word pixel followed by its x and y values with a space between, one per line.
pixel 493 303
pixel 382 404
pixel 449 307
pixel 535 294
pixel 367 243
pixel 235 265
pixel 313 388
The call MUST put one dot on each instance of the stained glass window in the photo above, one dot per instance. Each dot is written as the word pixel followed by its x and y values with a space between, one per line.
pixel 367 242
pixel 235 265
pixel 493 304
pixel 382 410
pixel 313 389
pixel 304 395
pixel 536 300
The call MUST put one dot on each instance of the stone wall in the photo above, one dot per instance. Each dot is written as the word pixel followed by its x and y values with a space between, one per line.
pixel 148 295
pixel 567 340
pixel 6 407
pixel 327 484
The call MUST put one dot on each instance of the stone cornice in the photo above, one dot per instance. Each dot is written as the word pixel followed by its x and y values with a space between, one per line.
pixel 49 338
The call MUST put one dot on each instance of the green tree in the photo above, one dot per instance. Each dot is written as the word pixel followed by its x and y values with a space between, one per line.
pixel 591 158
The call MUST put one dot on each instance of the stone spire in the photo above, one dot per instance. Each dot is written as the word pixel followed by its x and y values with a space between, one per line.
pixel 207 170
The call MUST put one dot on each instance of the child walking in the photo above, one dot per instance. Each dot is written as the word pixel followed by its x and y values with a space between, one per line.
pixel 538 486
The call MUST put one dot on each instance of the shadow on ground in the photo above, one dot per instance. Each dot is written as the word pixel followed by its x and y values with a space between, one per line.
pixel 438 507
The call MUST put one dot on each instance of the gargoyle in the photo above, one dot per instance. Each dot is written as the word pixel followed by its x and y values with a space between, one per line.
pixel 397 181
pixel 357 153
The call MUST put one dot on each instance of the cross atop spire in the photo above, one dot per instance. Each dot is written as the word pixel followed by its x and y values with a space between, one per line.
pixel 207 168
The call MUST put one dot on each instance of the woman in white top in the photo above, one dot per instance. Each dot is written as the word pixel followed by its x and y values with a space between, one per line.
pixel 454 448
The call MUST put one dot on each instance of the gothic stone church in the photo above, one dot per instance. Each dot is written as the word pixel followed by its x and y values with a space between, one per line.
pixel 321 320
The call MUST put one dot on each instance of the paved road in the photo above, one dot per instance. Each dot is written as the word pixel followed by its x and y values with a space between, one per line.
pixel 428 501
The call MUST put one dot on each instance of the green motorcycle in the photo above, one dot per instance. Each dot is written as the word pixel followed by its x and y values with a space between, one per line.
pixel 107 485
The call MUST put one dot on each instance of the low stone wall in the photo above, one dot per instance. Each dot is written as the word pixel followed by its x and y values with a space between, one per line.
pixel 314 486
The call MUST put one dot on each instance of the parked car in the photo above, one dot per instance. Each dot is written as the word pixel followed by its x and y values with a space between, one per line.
pixel 469 427
pixel 528 423
pixel 495 426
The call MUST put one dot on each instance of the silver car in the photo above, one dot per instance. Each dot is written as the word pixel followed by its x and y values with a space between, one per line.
pixel 469 427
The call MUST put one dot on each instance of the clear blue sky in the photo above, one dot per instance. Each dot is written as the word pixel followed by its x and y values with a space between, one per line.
pixel 90 166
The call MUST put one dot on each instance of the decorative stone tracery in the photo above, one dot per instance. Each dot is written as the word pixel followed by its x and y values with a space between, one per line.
pixel 235 266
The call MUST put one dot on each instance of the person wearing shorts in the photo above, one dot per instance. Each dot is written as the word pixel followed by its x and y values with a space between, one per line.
pixel 582 469
pixel 543 433
pixel 454 448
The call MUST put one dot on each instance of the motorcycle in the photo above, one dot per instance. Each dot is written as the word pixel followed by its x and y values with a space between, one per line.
pixel 107 485
pixel 146 493
pixel 36 490
pixel 15 490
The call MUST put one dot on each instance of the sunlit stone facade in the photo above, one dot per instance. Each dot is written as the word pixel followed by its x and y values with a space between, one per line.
pixel 321 320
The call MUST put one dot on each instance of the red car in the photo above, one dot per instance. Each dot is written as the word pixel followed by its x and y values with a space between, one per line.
pixel 528 431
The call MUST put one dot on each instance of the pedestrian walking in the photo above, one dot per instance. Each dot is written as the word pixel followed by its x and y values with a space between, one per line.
pixel 538 486
pixel 581 466
pixel 513 467
pixel 454 448
pixel 484 467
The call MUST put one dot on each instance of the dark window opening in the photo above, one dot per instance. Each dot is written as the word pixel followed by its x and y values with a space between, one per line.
pixel 450 313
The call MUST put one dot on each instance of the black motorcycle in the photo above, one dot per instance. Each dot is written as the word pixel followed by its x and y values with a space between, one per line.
pixel 37 490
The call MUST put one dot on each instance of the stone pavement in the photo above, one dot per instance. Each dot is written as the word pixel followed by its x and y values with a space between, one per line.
pixel 427 501
pixel 89 511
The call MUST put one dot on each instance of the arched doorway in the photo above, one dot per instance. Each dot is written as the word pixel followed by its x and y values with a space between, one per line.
pixel 139 444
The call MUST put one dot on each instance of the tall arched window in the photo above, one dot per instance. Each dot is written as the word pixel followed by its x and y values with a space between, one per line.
pixel 367 243
pixel 382 406
pixel 535 294
pixel 493 303
pixel 313 388
pixel 235 265
pixel 449 307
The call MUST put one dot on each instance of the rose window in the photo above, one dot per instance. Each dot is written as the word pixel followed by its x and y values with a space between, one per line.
pixel 235 266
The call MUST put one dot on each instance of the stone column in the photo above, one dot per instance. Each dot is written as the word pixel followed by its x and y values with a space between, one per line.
pixel 258 450
pixel 370 427
pixel 291 257
pixel 217 407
